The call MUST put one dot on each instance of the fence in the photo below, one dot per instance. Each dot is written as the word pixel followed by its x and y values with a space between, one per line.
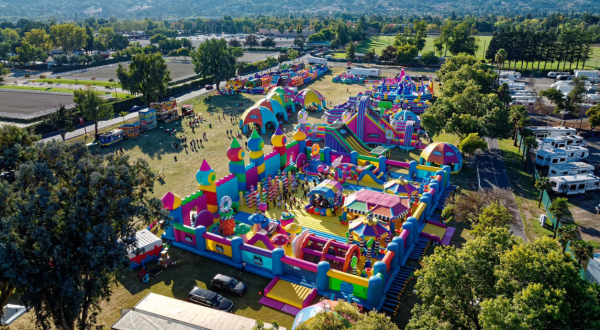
pixel 66 73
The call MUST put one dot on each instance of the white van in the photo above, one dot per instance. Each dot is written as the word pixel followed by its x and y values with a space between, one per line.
pixel 554 74
pixel 573 168
pixel 574 184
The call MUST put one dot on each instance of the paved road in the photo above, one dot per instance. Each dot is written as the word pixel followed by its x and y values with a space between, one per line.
pixel 492 173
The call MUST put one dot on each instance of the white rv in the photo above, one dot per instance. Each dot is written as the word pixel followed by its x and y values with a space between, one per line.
pixel 510 75
pixel 550 131
pixel 365 72
pixel 549 157
pixel 316 60
pixel 512 85
pixel 559 142
pixel 575 153
pixel 574 184
pixel 573 168
pixel 554 74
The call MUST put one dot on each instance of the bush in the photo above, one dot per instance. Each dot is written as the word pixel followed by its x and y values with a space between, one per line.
pixel 429 58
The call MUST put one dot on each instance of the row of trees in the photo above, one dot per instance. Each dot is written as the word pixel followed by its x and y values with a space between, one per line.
pixel 566 45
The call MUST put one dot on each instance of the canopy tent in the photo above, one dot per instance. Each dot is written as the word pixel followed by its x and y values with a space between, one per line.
pixel 384 206
pixel 400 187
pixel 257 115
pixel 442 153
pixel 329 189
pixel 373 228
pixel 274 106
pixel 308 97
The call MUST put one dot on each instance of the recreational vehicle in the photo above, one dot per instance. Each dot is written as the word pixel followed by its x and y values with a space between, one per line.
pixel 558 142
pixel 550 131
pixel 576 153
pixel 574 168
pixel 550 157
pixel 574 184
pixel 554 74
pixel 512 85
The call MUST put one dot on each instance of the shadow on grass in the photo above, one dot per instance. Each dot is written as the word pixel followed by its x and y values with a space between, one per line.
pixel 518 175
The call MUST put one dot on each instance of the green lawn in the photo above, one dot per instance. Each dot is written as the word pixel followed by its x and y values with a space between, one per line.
pixel 78 82
pixel 120 95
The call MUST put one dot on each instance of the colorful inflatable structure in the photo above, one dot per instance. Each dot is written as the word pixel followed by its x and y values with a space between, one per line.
pixel 346 78
pixel 166 110
pixel 365 267
pixel 442 153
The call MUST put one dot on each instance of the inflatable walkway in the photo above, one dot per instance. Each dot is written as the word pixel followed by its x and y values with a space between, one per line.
pixel 371 173
pixel 339 137
pixel 289 293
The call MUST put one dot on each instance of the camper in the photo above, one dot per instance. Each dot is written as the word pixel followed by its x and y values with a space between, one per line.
pixel 587 73
pixel 550 131
pixel 572 168
pixel 554 74
pixel 559 142
pixel 365 72
pixel 574 184
pixel 550 157
pixel 576 153
pixel 512 85
pixel 510 75
pixel 316 60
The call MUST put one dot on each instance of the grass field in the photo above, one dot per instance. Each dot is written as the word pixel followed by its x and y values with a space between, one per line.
pixel 78 82
pixel 155 147
pixel 120 95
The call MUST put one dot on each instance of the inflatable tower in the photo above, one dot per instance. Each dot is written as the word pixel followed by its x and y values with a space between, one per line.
pixel 236 154
pixel 206 178
pixel 257 155
pixel 279 140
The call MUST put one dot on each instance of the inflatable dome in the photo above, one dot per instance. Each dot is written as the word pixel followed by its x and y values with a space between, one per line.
pixel 442 153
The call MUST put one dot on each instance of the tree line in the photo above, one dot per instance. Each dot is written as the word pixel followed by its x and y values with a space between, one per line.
pixel 572 46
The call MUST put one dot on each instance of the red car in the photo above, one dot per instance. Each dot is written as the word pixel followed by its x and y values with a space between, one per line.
pixel 209 87
pixel 187 110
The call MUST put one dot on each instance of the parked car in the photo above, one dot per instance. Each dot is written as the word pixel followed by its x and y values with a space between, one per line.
pixel 134 108
pixel 209 87
pixel 209 299
pixel 224 283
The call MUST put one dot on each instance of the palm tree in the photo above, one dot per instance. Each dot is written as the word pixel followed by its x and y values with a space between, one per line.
pixel 560 209
pixel 239 67
pixel 529 143
pixel 582 250
pixel 542 184
pixel 519 116
pixel 566 234
pixel 500 57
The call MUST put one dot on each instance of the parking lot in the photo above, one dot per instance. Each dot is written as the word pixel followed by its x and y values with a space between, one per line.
pixel 29 103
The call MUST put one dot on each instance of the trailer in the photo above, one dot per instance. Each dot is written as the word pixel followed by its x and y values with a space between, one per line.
pixel 548 157
pixel 365 72
pixel 587 73
pixel 550 131
pixel 574 184
pixel 559 142
pixel 571 168
pixel 316 60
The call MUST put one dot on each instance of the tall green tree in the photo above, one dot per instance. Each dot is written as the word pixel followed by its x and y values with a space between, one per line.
pixel 3 72
pixel 582 250
pixel 542 184
pixel 147 75
pixel 68 223
pixel 92 106
pixel 300 41
pixel 529 142
pixel 519 116
pixel 214 59
pixel 350 52
pixel 347 316
pixel 494 215
pixel 62 121
pixel 406 54
pixel 15 146
pixel 68 36
pixel 593 114
pixel 560 209
pixel 471 144
pixel 462 40
pixel 566 234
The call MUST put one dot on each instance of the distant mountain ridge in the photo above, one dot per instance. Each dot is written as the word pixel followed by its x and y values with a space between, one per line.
pixel 79 9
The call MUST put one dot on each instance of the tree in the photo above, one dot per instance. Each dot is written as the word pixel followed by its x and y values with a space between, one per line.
pixel 268 43
pixel 542 184
pixel 57 189
pixel 504 94
pixel 3 72
pixel 155 39
pixel 369 56
pixel 406 54
pixel 39 38
pixel 89 43
pixel 61 121
pixel 251 41
pixel 233 42
pixel 582 250
pixel 292 54
pixel 214 59
pixel 494 215
pixel 26 52
pixel 530 143
pixel 471 144
pixel 461 40
pixel 114 84
pixel 15 146
pixel 68 36
pixel 500 57
pixel 566 234
pixel 260 325
pixel 183 52
pixel 300 41
pixel 92 106
pixel 350 52
pixel 282 58
pixel 331 319
pixel 186 43
pixel 429 58
pixel 468 207
pixel 468 112
pixel 240 67
pixel 519 116
pixel 147 75
pixel 497 281
pixel 560 209
pixel 388 54
pixel 555 96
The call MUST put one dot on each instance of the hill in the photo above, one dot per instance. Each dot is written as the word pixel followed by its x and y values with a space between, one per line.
pixel 79 9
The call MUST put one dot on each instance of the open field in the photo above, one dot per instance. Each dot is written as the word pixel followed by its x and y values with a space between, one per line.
pixel 78 82
pixel 26 103
pixel 120 95
pixel 177 70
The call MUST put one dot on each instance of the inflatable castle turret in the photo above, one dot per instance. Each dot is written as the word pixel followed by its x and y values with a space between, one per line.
pixel 206 178
pixel 257 155
pixel 278 140
pixel 236 154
